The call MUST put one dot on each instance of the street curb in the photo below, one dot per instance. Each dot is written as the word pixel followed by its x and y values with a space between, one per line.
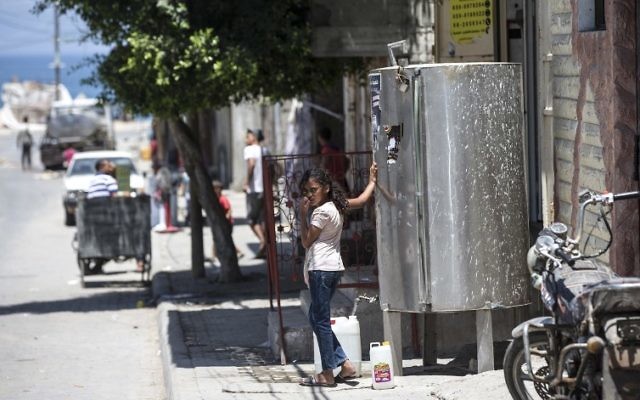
pixel 160 285
pixel 178 382
pixel 165 350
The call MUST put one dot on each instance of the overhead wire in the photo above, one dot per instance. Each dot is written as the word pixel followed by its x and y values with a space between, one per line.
pixel 18 26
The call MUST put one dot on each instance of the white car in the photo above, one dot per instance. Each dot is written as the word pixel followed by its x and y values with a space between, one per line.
pixel 82 168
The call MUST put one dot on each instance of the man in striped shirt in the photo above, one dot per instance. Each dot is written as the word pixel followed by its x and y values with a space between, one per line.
pixel 103 184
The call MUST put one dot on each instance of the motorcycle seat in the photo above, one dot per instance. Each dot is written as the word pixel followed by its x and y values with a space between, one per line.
pixel 569 283
pixel 613 296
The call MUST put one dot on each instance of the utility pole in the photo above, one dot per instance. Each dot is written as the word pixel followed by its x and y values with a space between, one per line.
pixel 56 50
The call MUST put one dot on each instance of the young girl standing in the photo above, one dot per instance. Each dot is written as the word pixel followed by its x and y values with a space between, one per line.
pixel 322 209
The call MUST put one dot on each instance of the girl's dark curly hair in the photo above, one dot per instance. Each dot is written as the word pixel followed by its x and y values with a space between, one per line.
pixel 336 194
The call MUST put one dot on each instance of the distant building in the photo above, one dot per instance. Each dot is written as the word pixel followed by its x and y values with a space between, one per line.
pixel 28 99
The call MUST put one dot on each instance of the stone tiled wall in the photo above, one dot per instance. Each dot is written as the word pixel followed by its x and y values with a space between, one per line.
pixel 595 121
pixel 568 103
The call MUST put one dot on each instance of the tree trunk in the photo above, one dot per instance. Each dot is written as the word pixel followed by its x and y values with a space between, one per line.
pixel 220 227
pixel 197 243
pixel 195 209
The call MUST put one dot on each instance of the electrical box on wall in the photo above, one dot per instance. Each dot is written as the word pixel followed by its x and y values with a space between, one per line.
pixel 514 10
pixel 466 30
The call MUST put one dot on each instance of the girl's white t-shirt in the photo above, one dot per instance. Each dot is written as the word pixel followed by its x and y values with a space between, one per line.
pixel 324 253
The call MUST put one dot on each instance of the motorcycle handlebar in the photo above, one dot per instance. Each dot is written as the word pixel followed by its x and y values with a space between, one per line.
pixel 589 198
pixel 626 196
pixel 592 198
pixel 565 257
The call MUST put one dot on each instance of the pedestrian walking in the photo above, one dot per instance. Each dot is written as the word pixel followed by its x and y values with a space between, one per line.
pixel 163 187
pixel 322 210
pixel 67 155
pixel 153 190
pixel 25 141
pixel 254 189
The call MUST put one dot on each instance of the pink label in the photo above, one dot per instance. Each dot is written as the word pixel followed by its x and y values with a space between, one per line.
pixel 381 372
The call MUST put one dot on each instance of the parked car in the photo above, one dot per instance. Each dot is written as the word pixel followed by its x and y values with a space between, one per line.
pixel 82 168
pixel 83 124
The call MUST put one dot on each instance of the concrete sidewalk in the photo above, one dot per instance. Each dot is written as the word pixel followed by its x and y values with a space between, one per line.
pixel 214 342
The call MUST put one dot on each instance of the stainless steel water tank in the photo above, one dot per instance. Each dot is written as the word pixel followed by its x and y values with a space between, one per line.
pixel 452 204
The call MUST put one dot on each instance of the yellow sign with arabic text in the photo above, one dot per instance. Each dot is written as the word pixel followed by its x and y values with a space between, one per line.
pixel 470 20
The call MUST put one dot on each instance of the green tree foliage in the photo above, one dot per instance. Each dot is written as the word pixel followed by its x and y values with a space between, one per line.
pixel 173 57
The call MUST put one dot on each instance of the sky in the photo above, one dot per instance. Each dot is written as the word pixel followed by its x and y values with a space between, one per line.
pixel 24 33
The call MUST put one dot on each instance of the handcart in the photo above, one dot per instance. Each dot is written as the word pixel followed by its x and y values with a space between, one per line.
pixel 113 229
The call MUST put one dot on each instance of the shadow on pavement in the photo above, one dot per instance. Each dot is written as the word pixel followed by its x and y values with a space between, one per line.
pixel 460 365
pixel 97 302
pixel 214 324
pixel 116 284
pixel 222 337
pixel 254 284
pixel 222 324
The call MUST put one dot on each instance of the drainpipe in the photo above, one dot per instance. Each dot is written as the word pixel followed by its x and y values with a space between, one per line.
pixel 637 163
pixel 547 175
pixel 637 160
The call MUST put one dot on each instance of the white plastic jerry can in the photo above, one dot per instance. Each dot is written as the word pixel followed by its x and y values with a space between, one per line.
pixel 381 365
pixel 347 331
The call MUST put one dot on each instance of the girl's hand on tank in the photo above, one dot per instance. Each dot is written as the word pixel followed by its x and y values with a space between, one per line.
pixel 373 172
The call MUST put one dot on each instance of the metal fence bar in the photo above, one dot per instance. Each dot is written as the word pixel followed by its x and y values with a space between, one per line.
pixel 274 273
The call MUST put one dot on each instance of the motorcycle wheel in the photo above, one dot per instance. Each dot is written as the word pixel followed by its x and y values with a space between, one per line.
pixel 520 385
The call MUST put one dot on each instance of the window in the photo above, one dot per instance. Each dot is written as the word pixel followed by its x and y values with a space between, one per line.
pixel 83 167
pixel 591 15
pixel 124 162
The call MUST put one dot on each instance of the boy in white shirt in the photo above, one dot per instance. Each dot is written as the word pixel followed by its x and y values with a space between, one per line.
pixel 254 189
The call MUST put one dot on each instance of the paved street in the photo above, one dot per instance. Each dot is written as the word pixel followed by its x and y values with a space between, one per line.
pixel 57 340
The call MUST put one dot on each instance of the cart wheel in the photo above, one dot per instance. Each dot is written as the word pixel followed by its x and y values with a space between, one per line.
pixel 96 266
pixel 69 219
pixel 146 274
pixel 90 266
pixel 81 265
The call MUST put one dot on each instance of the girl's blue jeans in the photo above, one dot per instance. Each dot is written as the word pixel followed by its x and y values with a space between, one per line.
pixel 322 286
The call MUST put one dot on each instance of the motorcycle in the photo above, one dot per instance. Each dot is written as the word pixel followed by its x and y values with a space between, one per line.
pixel 589 347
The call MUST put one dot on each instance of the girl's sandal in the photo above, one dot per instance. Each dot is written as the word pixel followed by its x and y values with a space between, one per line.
pixel 311 381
